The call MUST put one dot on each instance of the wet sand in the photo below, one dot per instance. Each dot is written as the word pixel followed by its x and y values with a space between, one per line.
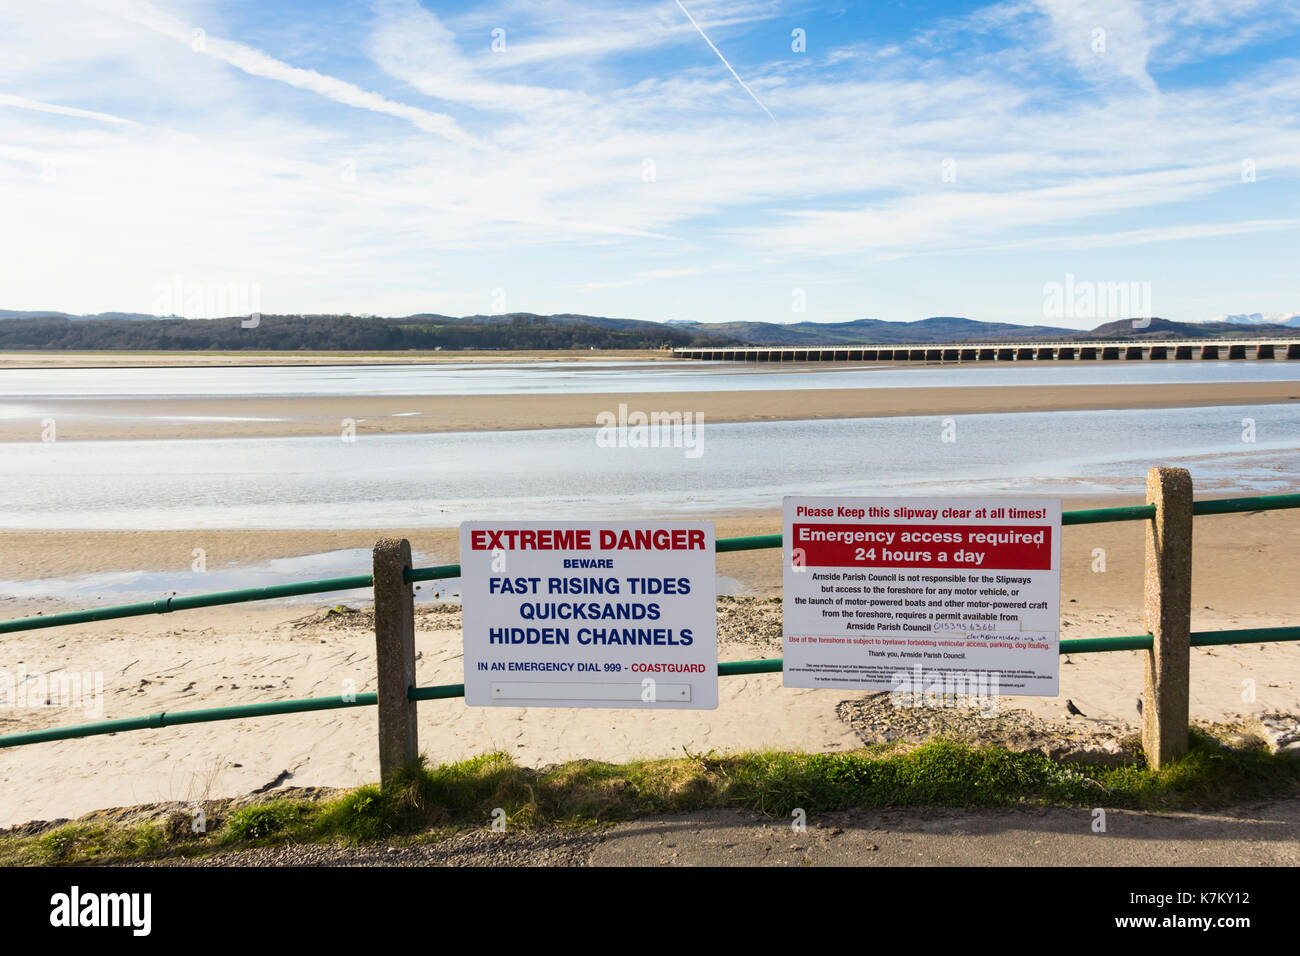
pixel 1250 556
pixel 1245 569
pixel 1244 574
pixel 114 418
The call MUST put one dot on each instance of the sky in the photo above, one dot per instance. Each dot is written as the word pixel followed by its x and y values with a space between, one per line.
pixel 706 161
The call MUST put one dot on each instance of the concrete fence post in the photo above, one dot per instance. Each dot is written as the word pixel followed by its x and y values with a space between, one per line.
pixel 395 651
pixel 1168 615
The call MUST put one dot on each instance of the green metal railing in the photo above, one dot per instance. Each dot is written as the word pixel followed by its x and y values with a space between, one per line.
pixel 768 665
pixel 448 691
pixel 167 605
pixel 199 716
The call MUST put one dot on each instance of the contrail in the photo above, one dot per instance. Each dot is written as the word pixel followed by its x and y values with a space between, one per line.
pixel 724 61
pixel 24 103
pixel 256 63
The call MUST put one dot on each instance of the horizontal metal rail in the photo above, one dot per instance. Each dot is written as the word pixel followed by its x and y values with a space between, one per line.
pixel 1247 635
pixel 756 542
pixel 1225 506
pixel 771 665
pixel 753 542
pixel 199 716
pixel 167 605
pixel 439 573
pixel 1106 515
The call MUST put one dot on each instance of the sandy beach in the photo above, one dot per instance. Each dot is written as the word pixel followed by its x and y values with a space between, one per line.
pixel 607 293
pixel 1245 570
pixel 188 417
pixel 1235 554
pixel 1244 574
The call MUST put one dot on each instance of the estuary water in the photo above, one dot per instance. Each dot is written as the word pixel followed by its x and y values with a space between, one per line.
pixel 22 388
pixel 438 480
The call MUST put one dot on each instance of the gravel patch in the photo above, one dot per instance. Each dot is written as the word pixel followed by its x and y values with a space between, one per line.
pixel 551 847
pixel 876 719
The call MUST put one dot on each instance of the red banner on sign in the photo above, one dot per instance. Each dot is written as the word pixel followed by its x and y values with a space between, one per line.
pixel 1004 547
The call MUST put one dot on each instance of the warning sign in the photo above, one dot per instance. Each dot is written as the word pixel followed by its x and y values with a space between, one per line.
pixel 892 593
pixel 564 614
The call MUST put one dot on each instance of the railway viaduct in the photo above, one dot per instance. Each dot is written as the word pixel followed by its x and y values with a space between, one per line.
pixel 1176 351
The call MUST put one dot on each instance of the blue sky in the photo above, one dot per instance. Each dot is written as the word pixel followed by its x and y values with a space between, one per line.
pixel 391 157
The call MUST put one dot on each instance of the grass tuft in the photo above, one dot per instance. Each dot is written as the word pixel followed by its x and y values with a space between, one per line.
pixel 91 843
pixel 264 822
pixel 423 802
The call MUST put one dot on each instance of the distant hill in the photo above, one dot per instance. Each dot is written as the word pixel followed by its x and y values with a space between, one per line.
pixel 877 331
pixel 344 333
pixel 598 321
pixel 1288 319
pixel 11 314
pixel 1165 329
pixel 525 330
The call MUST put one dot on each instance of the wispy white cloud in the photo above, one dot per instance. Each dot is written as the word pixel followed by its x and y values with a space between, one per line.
pixel 1138 237
pixel 650 275
pixel 1102 38
pixel 568 34
pixel 412 44
pixel 602 150
pixel 933 221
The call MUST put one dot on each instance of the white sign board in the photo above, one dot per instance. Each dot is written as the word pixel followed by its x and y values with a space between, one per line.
pixel 905 594
pixel 570 614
